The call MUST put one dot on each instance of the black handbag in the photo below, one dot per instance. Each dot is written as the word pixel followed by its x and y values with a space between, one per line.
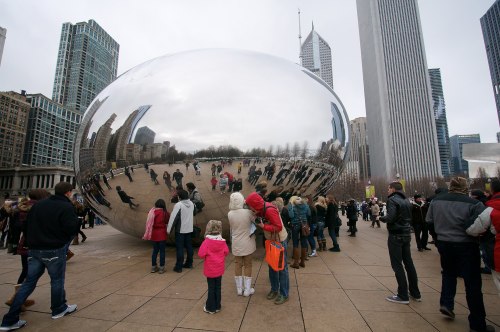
pixel 196 232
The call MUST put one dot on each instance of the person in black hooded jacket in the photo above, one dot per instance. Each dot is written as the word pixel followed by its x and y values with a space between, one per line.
pixel 398 219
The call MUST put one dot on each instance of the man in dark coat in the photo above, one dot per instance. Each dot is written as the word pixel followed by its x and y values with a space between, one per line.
pixel 50 226
pixel 418 213
pixel 398 220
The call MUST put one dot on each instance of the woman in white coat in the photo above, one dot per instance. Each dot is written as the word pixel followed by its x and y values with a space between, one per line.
pixel 243 243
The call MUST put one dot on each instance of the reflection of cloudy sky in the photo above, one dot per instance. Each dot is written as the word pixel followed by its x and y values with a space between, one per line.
pixel 216 97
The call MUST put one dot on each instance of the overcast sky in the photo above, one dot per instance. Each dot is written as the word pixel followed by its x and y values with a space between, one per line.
pixel 147 29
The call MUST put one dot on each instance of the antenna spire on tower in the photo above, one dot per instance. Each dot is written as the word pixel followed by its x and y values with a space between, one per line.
pixel 300 42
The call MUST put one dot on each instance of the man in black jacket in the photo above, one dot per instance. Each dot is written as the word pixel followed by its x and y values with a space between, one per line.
pixel 398 220
pixel 50 226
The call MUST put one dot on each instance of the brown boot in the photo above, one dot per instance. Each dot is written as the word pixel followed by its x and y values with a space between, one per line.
pixel 27 303
pixel 324 244
pixel 75 241
pixel 69 254
pixel 303 255
pixel 295 264
pixel 320 247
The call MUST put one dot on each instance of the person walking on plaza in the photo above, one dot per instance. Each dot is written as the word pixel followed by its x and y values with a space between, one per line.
pixel 126 198
pixel 418 213
pixel 50 225
pixel 321 209
pixel 156 231
pixel 181 223
pixel 243 243
pixel 273 228
pixel 352 216
pixel 127 174
pixel 448 214
pixel 177 176
pixel 166 178
pixel 333 222
pixel 398 221
pixel 213 251
pixel 374 213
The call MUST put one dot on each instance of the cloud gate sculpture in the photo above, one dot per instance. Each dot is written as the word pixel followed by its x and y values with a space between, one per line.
pixel 228 108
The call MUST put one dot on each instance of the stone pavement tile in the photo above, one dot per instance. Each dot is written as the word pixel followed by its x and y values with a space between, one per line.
pixel 150 285
pixel 271 317
pixel 359 282
pixel 114 282
pixel 336 258
pixel 371 259
pixel 6 270
pixel 325 299
pixel 495 319
pixel 113 307
pixel 127 327
pixel 325 281
pixel 263 276
pixel 365 300
pixel 162 311
pixel 443 324
pixel 379 270
pixel 77 324
pixel 41 295
pixel 428 272
pixel 314 265
pixel 328 321
pixel 36 321
pixel 347 269
pixel 180 329
pixel 388 322
pixel 392 284
pixel 430 305
pixel 491 303
pixel 228 319
pixel 185 290
pixel 489 287
pixel 191 275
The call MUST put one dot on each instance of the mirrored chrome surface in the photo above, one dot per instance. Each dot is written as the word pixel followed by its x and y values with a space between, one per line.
pixel 197 102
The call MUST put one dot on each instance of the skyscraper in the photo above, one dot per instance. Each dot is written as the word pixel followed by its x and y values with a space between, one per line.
pixel 490 24
pixel 14 110
pixel 399 115
pixel 460 166
pixel 439 107
pixel 316 56
pixel 144 136
pixel 3 36
pixel 359 157
pixel 87 62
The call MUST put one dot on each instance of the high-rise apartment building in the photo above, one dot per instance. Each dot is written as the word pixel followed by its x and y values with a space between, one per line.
pixel 316 56
pixel 359 156
pixel 14 110
pixel 51 133
pixel 3 36
pixel 490 24
pixel 86 63
pixel 460 166
pixel 439 107
pixel 144 136
pixel 399 116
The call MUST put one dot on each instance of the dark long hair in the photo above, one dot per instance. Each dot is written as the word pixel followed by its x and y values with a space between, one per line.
pixel 160 203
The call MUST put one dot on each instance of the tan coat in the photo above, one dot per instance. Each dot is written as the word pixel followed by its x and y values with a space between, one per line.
pixel 240 221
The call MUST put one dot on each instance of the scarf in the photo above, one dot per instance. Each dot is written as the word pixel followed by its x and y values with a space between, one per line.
pixel 149 224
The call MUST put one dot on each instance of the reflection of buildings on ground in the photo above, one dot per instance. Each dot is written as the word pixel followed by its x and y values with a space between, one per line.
pixel 19 180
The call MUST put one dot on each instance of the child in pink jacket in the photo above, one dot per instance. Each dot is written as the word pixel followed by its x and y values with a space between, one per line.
pixel 214 251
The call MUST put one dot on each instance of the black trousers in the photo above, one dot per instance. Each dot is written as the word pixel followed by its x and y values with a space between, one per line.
pixel 214 294
pixel 421 235
pixel 399 253
pixel 462 259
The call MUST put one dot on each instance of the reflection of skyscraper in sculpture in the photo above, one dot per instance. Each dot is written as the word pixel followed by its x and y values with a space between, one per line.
pixel 316 56
pixel 144 136
pixel 441 123
pixel 101 142
pixel 3 36
pixel 133 152
pixel 123 135
pixel 399 115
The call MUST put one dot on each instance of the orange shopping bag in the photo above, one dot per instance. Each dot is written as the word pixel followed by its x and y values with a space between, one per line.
pixel 275 255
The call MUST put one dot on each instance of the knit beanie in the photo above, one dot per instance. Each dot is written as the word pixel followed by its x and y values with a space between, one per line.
pixel 459 185
pixel 214 227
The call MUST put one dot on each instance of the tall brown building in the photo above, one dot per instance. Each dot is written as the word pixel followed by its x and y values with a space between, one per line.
pixel 14 110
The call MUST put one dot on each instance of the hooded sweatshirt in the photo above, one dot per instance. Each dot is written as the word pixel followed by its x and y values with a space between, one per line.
pixel 185 207
pixel 214 251
pixel 274 224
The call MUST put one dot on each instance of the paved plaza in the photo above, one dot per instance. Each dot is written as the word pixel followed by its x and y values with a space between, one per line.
pixel 110 280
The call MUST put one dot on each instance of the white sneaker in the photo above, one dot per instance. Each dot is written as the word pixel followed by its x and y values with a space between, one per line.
pixel 20 323
pixel 71 308
pixel 313 254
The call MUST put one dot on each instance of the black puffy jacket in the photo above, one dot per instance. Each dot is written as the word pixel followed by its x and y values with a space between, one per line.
pixel 398 216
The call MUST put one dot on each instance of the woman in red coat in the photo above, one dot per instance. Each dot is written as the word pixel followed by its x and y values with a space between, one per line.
pixel 156 231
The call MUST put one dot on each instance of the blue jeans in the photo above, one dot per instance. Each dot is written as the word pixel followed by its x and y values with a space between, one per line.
pixel 333 235
pixel 297 236
pixel 183 240
pixel 462 259
pixel 54 261
pixel 214 294
pixel 279 280
pixel 321 230
pixel 399 253
pixel 310 238
pixel 158 246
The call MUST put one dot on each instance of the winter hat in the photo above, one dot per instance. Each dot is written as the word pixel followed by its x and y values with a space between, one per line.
pixel 214 227
pixel 479 194
pixel 236 201
pixel 459 185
